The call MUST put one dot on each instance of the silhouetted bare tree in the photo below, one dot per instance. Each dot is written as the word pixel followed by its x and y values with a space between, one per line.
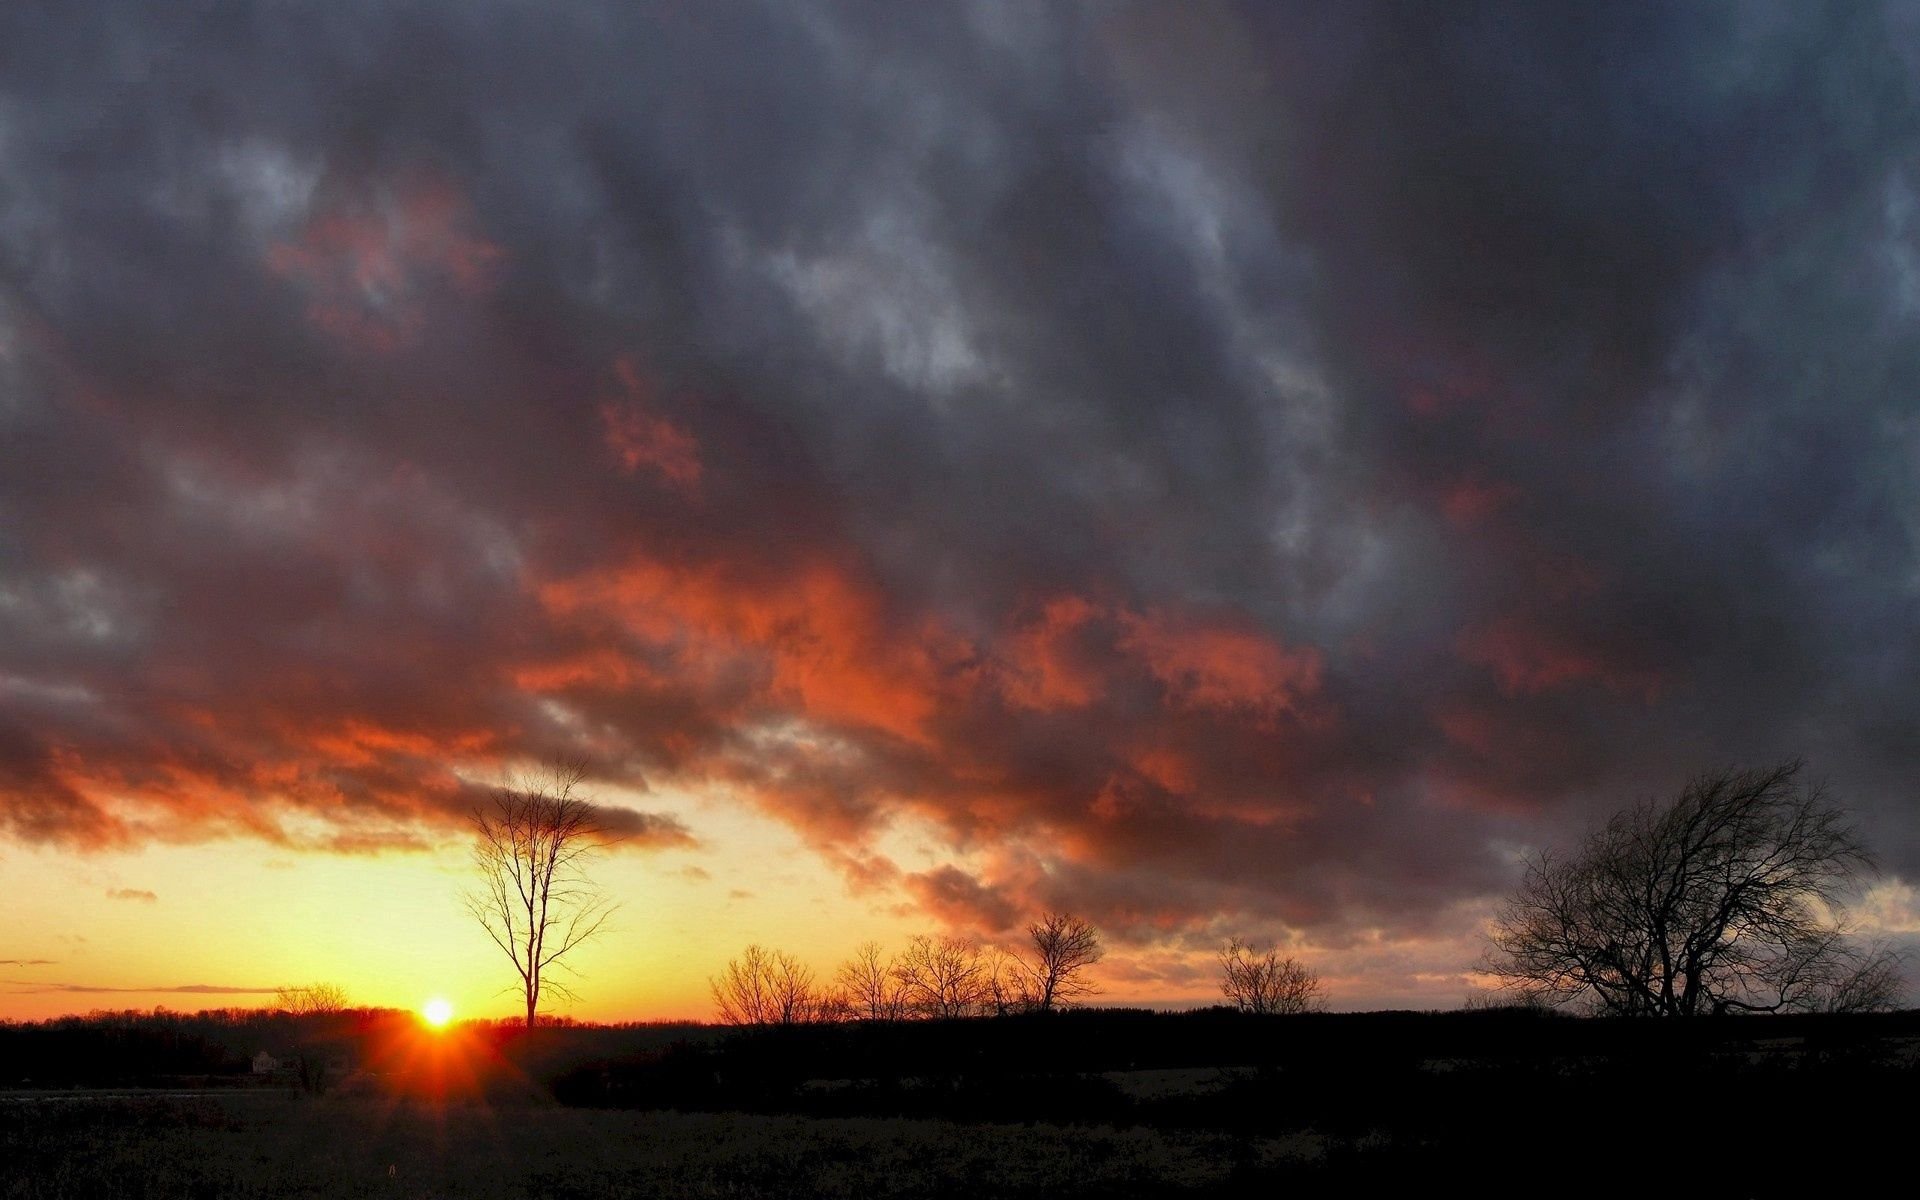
pixel 743 990
pixel 792 991
pixel 532 844
pixel 825 1004
pixel 943 977
pixel 1008 983
pixel 1064 947
pixel 1727 898
pixel 310 998
pixel 867 980
pixel 771 987
pixel 1267 983
pixel 316 1043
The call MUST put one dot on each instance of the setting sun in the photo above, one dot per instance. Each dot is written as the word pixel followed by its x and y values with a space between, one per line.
pixel 436 1012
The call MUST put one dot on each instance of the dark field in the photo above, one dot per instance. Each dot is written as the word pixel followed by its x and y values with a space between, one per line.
pixel 292 1146
pixel 1090 1104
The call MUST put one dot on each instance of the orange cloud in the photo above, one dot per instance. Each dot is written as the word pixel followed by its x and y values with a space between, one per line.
pixel 1167 766
pixel 1219 667
pixel 359 743
pixel 603 669
pixel 1043 670
pixel 817 641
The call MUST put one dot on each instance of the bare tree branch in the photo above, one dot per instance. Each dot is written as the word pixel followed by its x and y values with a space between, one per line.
pixel 311 998
pixel 1267 983
pixel 872 990
pixel 943 977
pixel 771 987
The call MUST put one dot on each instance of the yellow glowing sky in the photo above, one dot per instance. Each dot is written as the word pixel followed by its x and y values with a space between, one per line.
pixel 390 929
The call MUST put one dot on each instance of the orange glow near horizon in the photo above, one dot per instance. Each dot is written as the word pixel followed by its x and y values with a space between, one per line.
pixel 226 923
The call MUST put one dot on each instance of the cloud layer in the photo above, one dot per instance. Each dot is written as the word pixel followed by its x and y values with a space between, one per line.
pixel 1199 462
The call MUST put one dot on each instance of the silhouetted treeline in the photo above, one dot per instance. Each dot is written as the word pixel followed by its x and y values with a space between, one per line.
pixel 131 1047
pixel 1307 1067
pixel 217 1047
pixel 1420 1075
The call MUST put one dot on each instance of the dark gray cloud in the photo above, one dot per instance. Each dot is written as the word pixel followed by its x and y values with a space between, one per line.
pixel 1200 459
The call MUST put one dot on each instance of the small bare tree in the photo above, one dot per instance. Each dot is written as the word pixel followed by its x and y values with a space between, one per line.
pixel 1009 985
pixel 309 999
pixel 867 981
pixel 794 999
pixel 768 987
pixel 1064 947
pixel 533 841
pixel 943 977
pixel 829 1004
pixel 1268 983
pixel 1727 898
pixel 311 1003
pixel 743 990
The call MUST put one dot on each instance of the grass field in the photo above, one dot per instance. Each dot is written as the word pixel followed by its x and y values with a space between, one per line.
pixel 197 1148
pixel 1085 1105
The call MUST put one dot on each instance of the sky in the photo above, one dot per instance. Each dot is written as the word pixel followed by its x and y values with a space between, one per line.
pixel 1221 470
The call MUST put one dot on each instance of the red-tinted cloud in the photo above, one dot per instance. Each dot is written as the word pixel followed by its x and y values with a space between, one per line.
pixel 1216 666
pixel 372 264
pixel 1528 657
pixel 640 439
pixel 815 642
pixel 953 897
pixel 1046 667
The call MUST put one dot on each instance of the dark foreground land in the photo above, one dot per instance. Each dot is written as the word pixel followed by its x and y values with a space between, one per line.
pixel 1089 1104
pixel 289 1146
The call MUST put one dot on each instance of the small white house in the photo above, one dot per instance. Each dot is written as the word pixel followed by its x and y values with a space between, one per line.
pixel 265 1064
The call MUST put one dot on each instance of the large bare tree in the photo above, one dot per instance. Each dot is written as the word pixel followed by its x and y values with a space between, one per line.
pixel 533 841
pixel 1727 898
